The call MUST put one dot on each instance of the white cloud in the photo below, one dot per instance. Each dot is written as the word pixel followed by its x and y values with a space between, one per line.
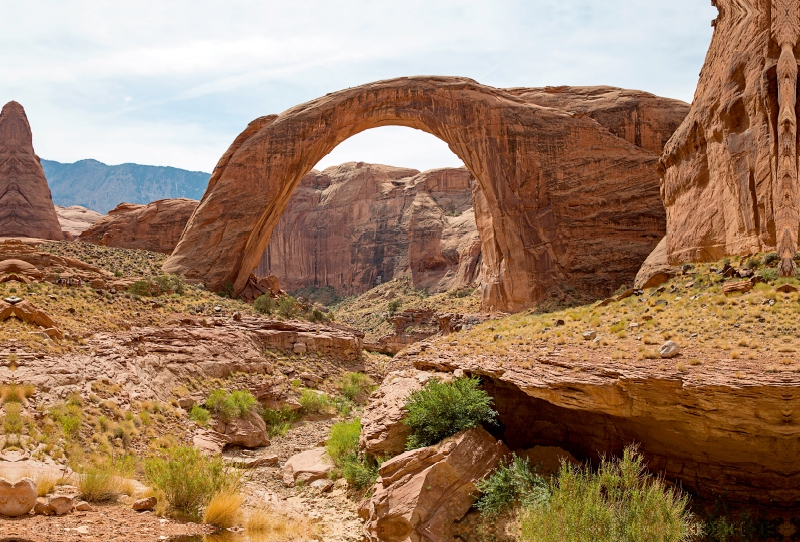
pixel 174 82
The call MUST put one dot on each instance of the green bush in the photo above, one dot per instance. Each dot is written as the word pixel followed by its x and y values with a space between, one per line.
pixel 199 414
pixel 278 421
pixel 360 473
pixel 314 402
pixel 189 479
pixel 394 306
pixel 356 387
pixel 510 485
pixel 342 447
pixel 770 274
pixel 770 258
pixel 287 307
pixel 265 305
pixel 441 410
pixel 618 503
pixel 158 286
pixel 230 405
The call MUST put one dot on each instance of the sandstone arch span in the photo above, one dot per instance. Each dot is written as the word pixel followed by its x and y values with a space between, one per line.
pixel 566 202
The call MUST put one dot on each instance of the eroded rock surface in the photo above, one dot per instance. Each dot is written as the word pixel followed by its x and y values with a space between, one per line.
pixel 565 201
pixel 656 269
pixel 249 431
pixel 156 226
pixel 26 206
pixel 730 172
pixel 421 493
pixel 357 225
pixel 75 219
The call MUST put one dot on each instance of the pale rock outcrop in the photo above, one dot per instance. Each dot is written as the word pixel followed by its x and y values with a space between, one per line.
pixel 656 269
pixel 26 206
pixel 307 467
pixel 420 494
pixel 75 219
pixel 357 225
pixel 156 226
pixel 730 172
pixel 565 201
pixel 18 498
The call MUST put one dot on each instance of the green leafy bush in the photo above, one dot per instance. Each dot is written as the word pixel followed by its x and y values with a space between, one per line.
pixel 618 503
pixel 394 306
pixel 265 305
pixel 230 405
pixel 770 274
pixel 510 485
pixel 770 258
pixel 441 410
pixel 314 402
pixel 356 387
pixel 342 447
pixel 278 421
pixel 156 286
pixel 189 479
pixel 199 414
pixel 287 307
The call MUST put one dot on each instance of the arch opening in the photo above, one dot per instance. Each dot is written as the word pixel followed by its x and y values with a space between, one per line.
pixel 558 189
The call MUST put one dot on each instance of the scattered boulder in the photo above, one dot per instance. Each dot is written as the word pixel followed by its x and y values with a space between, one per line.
pixel 589 335
pixel 17 499
pixel 420 494
pixel 307 467
pixel 383 432
pixel 737 287
pixel 249 431
pixel 83 506
pixel 669 350
pixel 61 504
pixel 252 462
pixel 209 441
pixel 656 269
pixel 143 505
pixel 322 485
pixel 42 507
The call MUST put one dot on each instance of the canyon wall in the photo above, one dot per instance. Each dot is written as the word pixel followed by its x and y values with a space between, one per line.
pixel 26 207
pixel 356 225
pixel 730 172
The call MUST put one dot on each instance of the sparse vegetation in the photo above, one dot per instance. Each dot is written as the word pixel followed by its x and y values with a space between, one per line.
pixel 442 409
pixel 279 421
pixel 223 510
pixel 99 484
pixel 230 405
pixel 199 415
pixel 516 484
pixel 356 387
pixel 314 402
pixel 342 447
pixel 265 305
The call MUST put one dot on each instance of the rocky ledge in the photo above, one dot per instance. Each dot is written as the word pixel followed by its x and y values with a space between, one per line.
pixel 716 430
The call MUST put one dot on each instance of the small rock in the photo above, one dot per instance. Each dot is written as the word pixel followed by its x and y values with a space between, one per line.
pixel 143 505
pixel 458 373
pixel 84 506
pixel 646 318
pixel 253 463
pixel 42 507
pixel 237 317
pixel 61 505
pixel 560 322
pixel 300 348
pixel 83 529
pixel 589 335
pixel 323 485
pixel 186 403
pixel 217 309
pixel 669 350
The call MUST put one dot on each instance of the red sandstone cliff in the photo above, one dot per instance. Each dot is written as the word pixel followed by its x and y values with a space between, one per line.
pixel 356 225
pixel 155 227
pixel 26 206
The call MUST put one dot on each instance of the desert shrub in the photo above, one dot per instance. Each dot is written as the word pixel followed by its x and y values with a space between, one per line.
pixel 770 258
pixel 230 405
pixel 394 306
pixel 199 415
pixel 618 503
pixel 314 402
pixel 510 485
pixel 278 527
pixel 278 421
pixel 68 416
pixel 12 421
pixel 98 484
pixel 189 479
pixel 356 387
pixel 287 307
pixel 223 510
pixel 169 284
pixel 342 447
pixel 753 263
pixel 265 305
pixel 227 290
pixel 442 409
pixel 770 274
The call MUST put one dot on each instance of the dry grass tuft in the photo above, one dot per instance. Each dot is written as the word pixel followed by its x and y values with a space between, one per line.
pixel 223 510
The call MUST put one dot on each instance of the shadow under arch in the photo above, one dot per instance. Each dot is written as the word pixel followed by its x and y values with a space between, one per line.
pixel 559 191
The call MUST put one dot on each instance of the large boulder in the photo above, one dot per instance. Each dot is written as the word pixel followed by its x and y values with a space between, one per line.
pixel 656 269
pixel 26 206
pixel 420 494
pixel 17 499
pixel 307 467
pixel 156 226
pixel 249 431
pixel 383 433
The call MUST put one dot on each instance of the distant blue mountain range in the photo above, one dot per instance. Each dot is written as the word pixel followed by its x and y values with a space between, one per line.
pixel 100 187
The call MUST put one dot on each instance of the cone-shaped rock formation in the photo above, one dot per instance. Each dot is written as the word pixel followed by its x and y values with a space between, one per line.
pixel 26 207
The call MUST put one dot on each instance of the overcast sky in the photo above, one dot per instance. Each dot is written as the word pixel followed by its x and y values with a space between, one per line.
pixel 173 82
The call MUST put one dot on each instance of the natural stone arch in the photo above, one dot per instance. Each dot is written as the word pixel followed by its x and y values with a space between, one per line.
pixel 566 202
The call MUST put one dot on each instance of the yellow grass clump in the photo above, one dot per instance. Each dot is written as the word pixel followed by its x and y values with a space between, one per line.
pixel 269 526
pixel 223 510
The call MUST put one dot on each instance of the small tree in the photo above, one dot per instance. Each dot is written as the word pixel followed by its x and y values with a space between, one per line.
pixel 265 305
pixel 441 410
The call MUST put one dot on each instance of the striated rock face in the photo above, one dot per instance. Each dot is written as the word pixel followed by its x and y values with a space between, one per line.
pixel 564 200
pixel 730 172
pixel 155 227
pixel 74 220
pixel 357 225
pixel 26 207
pixel 420 494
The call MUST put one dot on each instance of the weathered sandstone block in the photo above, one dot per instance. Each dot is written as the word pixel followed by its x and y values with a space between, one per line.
pixel 17 499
